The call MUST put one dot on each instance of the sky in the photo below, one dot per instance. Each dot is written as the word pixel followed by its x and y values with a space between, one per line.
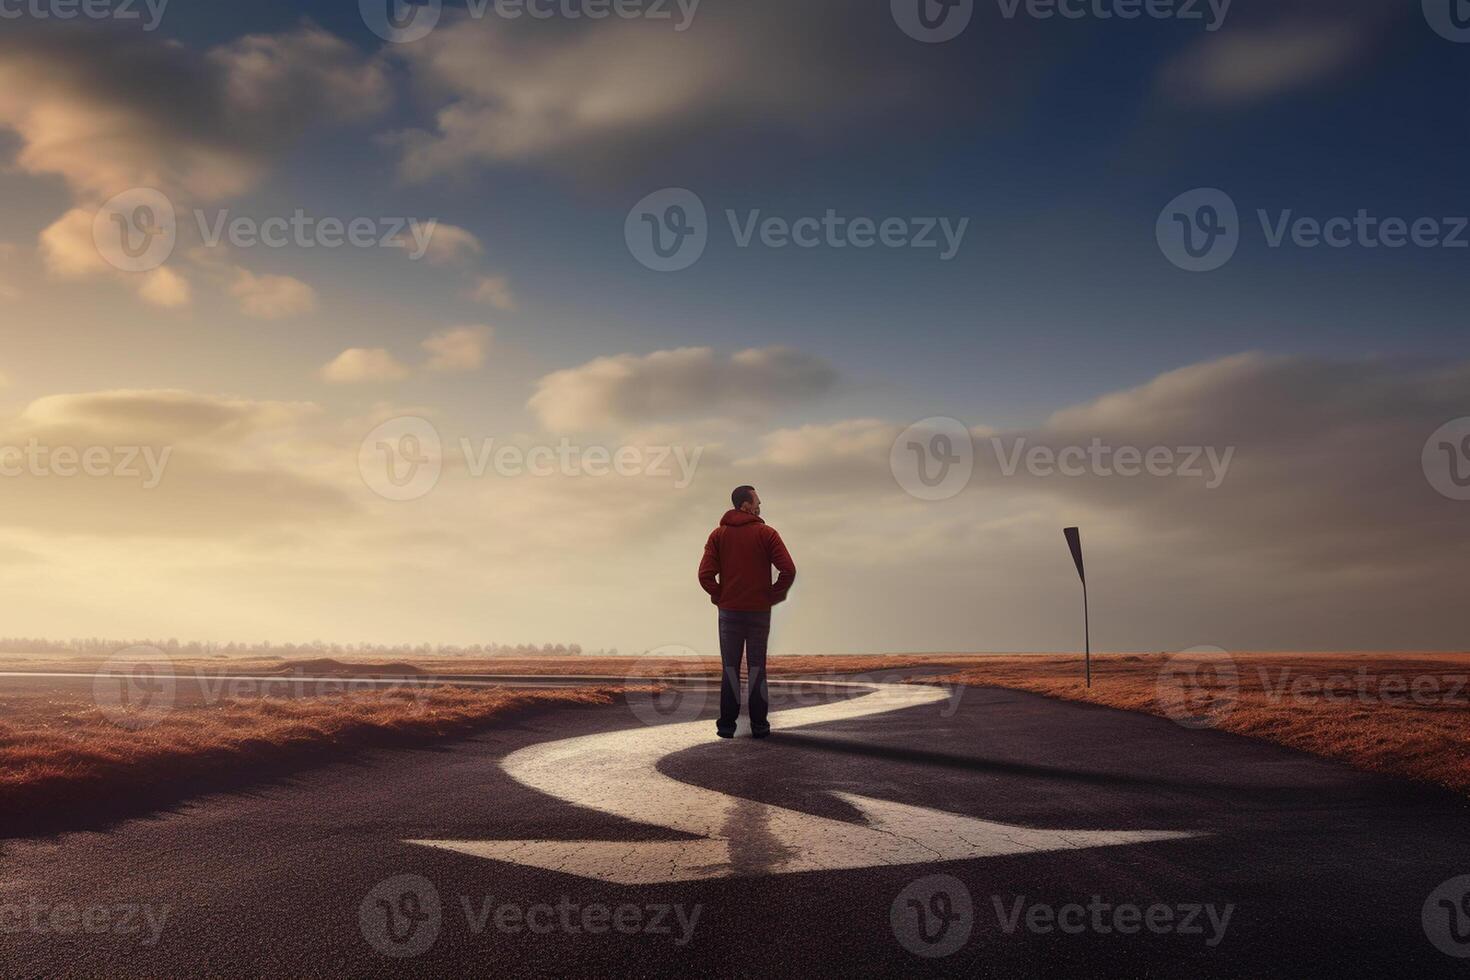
pixel 1191 280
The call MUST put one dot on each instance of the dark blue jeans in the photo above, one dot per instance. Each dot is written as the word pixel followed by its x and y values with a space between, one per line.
pixel 743 633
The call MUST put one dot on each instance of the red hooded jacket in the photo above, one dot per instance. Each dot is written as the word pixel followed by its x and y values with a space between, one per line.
pixel 736 569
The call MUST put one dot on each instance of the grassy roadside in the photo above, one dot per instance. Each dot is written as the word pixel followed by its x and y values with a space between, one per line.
pixel 1401 714
pixel 61 754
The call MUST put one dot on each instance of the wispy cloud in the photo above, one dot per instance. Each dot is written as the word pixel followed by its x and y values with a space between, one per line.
pixel 516 93
pixel 1236 68
pixel 494 291
pixel 457 350
pixel 359 365
pixel 672 384
pixel 271 297
pixel 1276 49
pixel 108 112
pixel 449 245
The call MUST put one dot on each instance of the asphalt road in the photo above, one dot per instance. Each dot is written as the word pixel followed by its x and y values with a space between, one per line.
pixel 1283 865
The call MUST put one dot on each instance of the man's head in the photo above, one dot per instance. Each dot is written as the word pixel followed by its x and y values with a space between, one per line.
pixel 747 500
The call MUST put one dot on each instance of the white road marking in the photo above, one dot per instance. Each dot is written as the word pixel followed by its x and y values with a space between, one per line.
pixel 616 773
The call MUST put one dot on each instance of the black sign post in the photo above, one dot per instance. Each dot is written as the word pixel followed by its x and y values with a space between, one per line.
pixel 1074 541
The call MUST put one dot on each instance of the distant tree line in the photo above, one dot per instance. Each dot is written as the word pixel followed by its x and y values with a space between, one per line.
pixel 317 648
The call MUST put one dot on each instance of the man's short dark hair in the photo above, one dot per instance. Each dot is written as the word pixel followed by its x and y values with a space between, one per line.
pixel 742 496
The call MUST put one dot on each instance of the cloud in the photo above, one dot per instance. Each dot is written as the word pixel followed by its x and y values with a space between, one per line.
pixel 68 249
pixel 1324 474
pixel 690 381
pixel 836 450
pixel 449 244
pixel 165 287
pixel 522 91
pixel 494 291
pixel 1285 47
pixel 1327 474
pixel 1236 68
pixel 457 349
pixel 162 415
pixel 69 252
pixel 108 111
pixel 227 467
pixel 1324 534
pixel 358 365
pixel 271 297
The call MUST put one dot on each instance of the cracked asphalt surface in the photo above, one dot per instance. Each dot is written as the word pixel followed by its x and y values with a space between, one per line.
pixel 1321 870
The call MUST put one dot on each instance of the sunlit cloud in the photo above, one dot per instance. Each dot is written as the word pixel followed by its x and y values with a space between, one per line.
pixel 457 349
pixel 165 287
pixel 184 465
pixel 69 252
pixel 494 291
pixel 517 94
pixel 450 245
pixel 271 297
pixel 1281 48
pixel 108 112
pixel 359 365
pixel 673 383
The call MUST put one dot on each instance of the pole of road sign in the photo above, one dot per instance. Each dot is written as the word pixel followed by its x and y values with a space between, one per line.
pixel 1074 542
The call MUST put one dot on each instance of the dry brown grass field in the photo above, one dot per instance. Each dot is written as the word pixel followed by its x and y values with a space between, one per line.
pixel 60 752
pixel 1402 713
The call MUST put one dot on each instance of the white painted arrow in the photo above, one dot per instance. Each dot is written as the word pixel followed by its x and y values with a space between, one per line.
pixel 617 773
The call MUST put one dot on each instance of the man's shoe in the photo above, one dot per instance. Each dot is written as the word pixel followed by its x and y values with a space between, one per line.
pixel 725 734
pixel 760 734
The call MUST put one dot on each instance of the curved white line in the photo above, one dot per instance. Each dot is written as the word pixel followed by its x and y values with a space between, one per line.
pixel 616 773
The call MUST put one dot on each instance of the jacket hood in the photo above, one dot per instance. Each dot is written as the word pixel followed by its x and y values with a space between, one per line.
pixel 739 518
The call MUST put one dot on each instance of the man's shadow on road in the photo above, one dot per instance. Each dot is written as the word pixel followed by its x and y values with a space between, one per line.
pixel 1225 792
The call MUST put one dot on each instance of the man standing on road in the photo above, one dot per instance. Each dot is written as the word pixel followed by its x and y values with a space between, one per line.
pixel 736 572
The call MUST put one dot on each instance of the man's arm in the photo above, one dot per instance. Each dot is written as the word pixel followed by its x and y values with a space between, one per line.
pixel 709 566
pixel 781 558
